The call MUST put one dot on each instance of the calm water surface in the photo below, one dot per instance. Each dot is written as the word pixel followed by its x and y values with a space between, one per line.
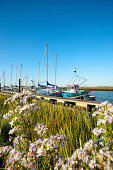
pixel 103 95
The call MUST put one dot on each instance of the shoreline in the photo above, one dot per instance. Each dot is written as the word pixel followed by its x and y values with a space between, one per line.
pixel 97 88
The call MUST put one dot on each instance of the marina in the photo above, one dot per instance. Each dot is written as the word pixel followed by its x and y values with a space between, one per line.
pixel 72 95
pixel 56 85
pixel 71 101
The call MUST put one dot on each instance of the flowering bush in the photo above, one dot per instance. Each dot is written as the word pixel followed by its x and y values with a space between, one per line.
pixel 31 148
pixel 97 153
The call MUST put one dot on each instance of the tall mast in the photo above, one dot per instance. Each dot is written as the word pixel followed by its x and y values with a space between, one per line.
pixel 55 69
pixel 21 74
pixel 1 77
pixel 33 82
pixel 16 76
pixel 47 61
pixel 26 80
pixel 38 72
pixel 11 73
pixel 4 78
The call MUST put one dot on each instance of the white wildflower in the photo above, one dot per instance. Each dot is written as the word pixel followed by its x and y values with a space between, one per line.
pixel 92 164
pixel 104 103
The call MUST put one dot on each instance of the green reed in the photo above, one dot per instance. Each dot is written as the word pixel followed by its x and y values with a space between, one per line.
pixel 4 125
pixel 75 124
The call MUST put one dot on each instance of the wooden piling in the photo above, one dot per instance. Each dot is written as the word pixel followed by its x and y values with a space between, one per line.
pixel 19 85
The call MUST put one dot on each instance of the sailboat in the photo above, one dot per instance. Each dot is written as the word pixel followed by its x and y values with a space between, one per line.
pixel 48 89
pixel 55 91
pixel 43 89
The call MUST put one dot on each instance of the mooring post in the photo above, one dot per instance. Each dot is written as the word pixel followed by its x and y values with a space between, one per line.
pixel 19 85
pixel 0 87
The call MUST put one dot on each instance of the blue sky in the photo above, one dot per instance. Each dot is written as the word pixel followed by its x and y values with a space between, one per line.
pixel 80 31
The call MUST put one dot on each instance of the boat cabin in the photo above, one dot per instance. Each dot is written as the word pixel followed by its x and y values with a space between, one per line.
pixel 69 87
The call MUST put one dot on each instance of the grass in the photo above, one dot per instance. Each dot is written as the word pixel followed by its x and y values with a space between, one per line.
pixel 32 143
pixel 75 124
pixel 2 108
pixel 3 123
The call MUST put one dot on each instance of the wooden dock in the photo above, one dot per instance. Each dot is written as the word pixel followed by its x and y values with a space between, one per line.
pixel 71 101
pixel 7 93
pixel 90 105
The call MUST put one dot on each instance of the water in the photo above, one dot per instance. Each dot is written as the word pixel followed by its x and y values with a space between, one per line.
pixel 103 95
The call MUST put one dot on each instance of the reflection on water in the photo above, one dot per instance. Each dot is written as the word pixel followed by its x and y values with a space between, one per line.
pixel 103 95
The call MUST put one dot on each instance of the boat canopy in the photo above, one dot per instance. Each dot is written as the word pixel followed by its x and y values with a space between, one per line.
pixel 49 84
pixel 44 86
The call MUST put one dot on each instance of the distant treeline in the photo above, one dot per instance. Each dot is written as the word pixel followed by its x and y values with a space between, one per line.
pixel 97 88
pixel 93 88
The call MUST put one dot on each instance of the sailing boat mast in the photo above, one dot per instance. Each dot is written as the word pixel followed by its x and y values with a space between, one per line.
pixel 55 70
pixel 4 78
pixel 11 73
pixel 38 73
pixel 47 61
pixel 26 80
pixel 21 74
pixel 16 76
